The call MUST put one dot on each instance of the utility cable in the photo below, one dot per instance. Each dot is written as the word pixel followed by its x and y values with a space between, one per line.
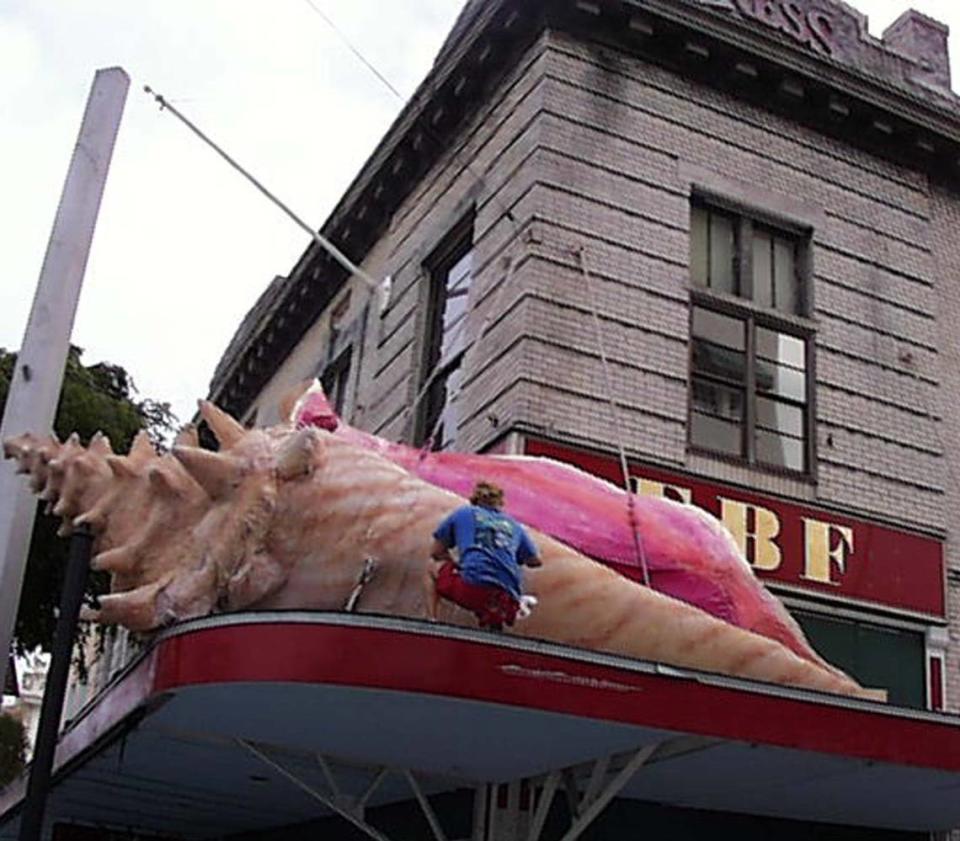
pixel 368 64
pixel 317 237
pixel 508 214
pixel 638 546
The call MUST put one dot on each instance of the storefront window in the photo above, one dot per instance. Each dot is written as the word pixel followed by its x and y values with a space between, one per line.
pixel 877 656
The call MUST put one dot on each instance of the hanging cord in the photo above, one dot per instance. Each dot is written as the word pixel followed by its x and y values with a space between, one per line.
pixel 467 357
pixel 638 547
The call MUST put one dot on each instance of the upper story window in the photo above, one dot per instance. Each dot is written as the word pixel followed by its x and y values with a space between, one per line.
pixel 335 369
pixel 451 271
pixel 739 256
pixel 750 360
pixel 335 380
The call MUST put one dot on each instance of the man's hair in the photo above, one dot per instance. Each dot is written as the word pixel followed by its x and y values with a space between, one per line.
pixel 487 495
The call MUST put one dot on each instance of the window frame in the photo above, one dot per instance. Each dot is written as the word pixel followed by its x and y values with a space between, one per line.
pixel 745 309
pixel 744 220
pixel 344 342
pixel 457 244
pixel 335 379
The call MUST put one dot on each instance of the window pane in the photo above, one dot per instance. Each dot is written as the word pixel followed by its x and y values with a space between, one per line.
pixel 781 381
pixel 785 275
pixel 762 268
pixel 699 225
pixel 719 361
pixel 780 417
pixel 782 348
pixel 714 399
pixel 718 345
pixel 447 434
pixel 719 329
pixel 459 274
pixel 454 308
pixel 454 340
pixel 780 450
pixel 722 275
pixel 717 434
pixel 335 379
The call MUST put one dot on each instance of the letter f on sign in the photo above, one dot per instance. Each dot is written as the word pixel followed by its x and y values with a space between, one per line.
pixel 820 556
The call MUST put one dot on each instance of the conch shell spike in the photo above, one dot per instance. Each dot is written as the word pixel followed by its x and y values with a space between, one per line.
pixel 217 473
pixel 100 444
pixel 96 518
pixel 228 431
pixel 164 483
pixel 187 437
pixel 142 447
pixel 296 459
pixel 121 467
pixel 123 559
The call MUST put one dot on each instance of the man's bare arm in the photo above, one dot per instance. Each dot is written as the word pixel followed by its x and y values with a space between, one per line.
pixel 439 552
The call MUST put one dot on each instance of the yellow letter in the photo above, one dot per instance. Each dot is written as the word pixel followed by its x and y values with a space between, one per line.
pixel 647 487
pixel 766 553
pixel 818 553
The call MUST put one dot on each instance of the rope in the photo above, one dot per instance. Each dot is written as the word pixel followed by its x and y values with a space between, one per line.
pixel 638 547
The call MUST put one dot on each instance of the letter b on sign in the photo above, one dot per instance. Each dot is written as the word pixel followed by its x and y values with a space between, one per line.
pixel 757 544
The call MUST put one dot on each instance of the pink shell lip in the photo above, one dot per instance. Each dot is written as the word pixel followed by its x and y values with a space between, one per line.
pixel 316 411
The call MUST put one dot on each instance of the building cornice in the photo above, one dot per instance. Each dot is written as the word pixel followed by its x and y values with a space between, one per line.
pixel 927 107
pixel 914 124
pixel 482 48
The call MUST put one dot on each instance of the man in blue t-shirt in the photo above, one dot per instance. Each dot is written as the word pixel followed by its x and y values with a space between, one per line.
pixel 491 547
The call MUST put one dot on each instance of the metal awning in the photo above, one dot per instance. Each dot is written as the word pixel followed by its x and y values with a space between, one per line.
pixel 252 721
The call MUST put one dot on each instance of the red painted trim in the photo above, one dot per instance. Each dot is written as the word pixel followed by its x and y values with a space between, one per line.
pixel 936 683
pixel 887 567
pixel 456 668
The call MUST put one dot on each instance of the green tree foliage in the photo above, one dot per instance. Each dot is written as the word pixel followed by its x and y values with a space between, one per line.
pixel 13 745
pixel 94 398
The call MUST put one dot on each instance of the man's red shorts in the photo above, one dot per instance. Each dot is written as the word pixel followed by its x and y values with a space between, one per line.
pixel 493 606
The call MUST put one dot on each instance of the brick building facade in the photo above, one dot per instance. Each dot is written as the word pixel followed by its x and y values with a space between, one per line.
pixel 758 202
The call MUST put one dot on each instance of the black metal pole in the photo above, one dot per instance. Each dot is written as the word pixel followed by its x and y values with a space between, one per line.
pixel 38 785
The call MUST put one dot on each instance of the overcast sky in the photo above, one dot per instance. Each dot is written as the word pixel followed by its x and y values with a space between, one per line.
pixel 184 246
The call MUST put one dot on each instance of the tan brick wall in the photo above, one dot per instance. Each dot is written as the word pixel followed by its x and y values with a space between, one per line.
pixel 620 138
pixel 945 228
pixel 590 148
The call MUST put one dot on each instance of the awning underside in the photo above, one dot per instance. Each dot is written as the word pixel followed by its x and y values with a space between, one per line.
pixel 183 771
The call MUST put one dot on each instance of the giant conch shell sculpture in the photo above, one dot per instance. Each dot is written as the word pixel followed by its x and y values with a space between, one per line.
pixel 294 516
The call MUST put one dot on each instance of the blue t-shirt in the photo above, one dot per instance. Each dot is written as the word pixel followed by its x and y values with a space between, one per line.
pixel 491 546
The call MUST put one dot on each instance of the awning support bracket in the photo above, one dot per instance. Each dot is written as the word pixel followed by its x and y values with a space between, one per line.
pixel 428 811
pixel 329 802
pixel 589 811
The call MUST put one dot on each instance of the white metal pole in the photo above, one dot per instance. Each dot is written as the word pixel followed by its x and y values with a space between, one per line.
pixel 38 377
